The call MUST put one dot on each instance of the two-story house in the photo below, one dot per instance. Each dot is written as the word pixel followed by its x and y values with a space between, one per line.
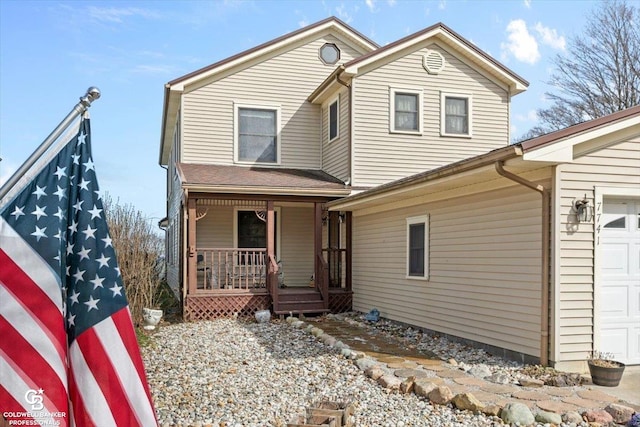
pixel 321 172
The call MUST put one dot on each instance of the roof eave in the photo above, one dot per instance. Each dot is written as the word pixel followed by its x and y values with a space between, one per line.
pixel 279 191
pixel 169 117
pixel 356 200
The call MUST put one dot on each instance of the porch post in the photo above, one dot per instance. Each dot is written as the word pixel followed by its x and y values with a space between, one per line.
pixel 348 246
pixel 272 277
pixel 317 241
pixel 192 278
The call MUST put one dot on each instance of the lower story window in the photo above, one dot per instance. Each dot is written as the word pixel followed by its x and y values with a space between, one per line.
pixel 418 247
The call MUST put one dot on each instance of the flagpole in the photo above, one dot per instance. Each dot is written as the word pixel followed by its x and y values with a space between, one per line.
pixel 92 94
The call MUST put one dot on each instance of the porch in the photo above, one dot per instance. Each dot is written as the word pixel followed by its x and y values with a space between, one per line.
pixel 299 260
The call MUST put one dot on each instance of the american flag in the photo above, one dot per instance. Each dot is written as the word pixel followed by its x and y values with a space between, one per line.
pixel 68 349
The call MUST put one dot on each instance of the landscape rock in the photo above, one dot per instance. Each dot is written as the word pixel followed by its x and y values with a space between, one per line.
pixel 499 378
pixel 365 363
pixel 572 418
pixel 441 395
pixel 453 362
pixel 407 385
pixel 374 372
pixel 467 402
pixel 621 414
pixel 597 416
pixel 480 371
pixel 492 410
pixel 548 417
pixel 517 413
pixel 423 387
pixel 390 381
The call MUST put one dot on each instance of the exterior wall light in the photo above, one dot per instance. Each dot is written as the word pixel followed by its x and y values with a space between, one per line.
pixel 584 211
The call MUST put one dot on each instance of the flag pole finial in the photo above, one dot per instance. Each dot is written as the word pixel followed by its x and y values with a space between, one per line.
pixel 92 94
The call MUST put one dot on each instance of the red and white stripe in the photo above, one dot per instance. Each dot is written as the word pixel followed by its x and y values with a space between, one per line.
pixel 108 377
pixel 33 345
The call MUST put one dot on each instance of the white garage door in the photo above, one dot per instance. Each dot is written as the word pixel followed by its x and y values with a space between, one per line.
pixel 619 288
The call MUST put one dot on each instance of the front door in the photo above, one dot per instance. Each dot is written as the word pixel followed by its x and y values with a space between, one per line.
pixel 619 288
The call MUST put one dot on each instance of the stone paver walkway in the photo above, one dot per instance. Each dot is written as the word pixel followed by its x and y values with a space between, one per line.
pixel 406 362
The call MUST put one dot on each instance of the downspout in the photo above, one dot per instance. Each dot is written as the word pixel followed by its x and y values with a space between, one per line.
pixel 544 310
pixel 350 136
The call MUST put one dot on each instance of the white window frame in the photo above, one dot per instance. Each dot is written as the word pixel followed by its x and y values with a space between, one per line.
pixel 335 100
pixel 422 219
pixel 276 209
pixel 443 112
pixel 236 131
pixel 392 110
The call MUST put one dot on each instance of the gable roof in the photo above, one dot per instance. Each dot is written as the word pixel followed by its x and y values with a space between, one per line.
pixel 175 88
pixel 436 32
pixel 596 134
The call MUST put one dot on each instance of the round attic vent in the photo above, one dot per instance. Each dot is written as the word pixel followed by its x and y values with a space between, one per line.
pixel 433 62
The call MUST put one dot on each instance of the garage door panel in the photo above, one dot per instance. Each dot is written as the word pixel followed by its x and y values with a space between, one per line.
pixel 619 283
pixel 615 257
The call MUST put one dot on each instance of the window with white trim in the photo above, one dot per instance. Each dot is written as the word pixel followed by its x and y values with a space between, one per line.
pixel 406 110
pixel 257 134
pixel 418 247
pixel 334 119
pixel 455 115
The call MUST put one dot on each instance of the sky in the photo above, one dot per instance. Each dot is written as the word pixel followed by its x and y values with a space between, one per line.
pixel 52 51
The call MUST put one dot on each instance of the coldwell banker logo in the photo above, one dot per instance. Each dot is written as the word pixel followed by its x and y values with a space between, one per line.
pixel 34 398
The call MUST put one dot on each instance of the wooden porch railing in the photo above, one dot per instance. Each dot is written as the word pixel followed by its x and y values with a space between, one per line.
pixel 337 260
pixel 231 268
pixel 322 282
pixel 272 280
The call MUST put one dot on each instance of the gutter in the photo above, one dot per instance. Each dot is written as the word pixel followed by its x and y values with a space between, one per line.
pixel 546 256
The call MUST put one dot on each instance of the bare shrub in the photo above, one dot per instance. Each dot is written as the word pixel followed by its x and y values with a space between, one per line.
pixel 138 247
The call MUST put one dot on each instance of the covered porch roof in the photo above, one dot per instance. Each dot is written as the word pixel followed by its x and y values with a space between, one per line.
pixel 259 180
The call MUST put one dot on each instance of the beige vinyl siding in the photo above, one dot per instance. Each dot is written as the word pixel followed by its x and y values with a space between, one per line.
pixel 615 166
pixel 381 156
pixel 297 245
pixel 335 154
pixel 484 268
pixel 216 230
pixel 283 80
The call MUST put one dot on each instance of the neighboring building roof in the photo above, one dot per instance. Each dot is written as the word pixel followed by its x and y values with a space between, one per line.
pixel 259 180
pixel 174 88
pixel 435 32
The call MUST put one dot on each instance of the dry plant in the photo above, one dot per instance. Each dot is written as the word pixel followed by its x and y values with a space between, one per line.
pixel 602 358
pixel 139 248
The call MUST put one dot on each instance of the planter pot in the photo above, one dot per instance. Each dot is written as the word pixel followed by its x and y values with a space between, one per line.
pixel 151 318
pixel 263 316
pixel 606 376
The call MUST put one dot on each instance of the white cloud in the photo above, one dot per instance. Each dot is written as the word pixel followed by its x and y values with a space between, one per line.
pixel 531 116
pixel 521 44
pixel 116 15
pixel 371 4
pixel 391 3
pixel 442 4
pixel 550 37
pixel 527 4
pixel 303 23
pixel 343 13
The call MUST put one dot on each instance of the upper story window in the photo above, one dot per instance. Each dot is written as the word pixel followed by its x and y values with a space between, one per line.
pixel 406 110
pixel 418 247
pixel 329 53
pixel 455 117
pixel 257 137
pixel 334 119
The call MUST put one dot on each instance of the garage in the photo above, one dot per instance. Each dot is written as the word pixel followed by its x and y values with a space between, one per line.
pixel 619 280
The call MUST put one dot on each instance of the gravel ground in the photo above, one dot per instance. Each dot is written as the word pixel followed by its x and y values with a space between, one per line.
pixel 232 373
